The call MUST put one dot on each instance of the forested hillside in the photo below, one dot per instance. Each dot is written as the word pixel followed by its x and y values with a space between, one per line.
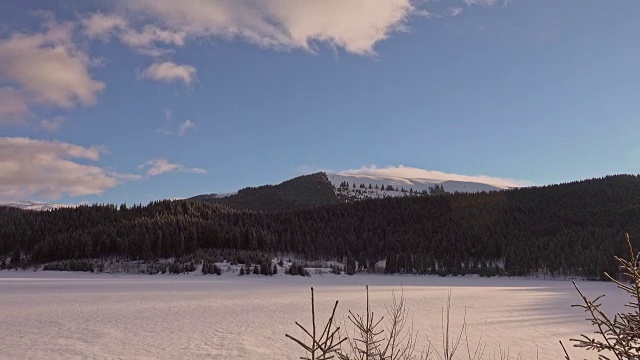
pixel 573 228
pixel 297 193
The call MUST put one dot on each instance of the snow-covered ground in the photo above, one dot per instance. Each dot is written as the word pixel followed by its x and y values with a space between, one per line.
pixel 55 315
pixel 35 205
pixel 417 184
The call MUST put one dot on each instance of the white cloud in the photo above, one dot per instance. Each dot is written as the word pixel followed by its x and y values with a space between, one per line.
pixel 45 69
pixel 161 166
pixel 455 11
pixel 52 124
pixel 416 173
pixel 355 26
pixel 50 169
pixel 169 72
pixel 185 126
pixel 150 35
pixel 164 129
pixel 99 25
pixel 480 2
pixel 198 171
pixel 147 40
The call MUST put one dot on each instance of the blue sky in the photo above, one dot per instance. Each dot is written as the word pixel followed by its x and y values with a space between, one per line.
pixel 136 101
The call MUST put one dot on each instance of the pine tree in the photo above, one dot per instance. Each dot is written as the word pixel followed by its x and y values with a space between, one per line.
pixel 15 257
pixel 275 269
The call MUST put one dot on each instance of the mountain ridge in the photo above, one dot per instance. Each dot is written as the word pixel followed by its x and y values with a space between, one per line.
pixel 296 193
pixel 328 188
pixel 35 205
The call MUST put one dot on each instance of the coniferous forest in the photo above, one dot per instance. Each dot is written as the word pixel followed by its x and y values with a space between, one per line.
pixel 572 229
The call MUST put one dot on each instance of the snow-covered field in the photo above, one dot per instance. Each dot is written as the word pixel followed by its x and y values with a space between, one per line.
pixel 52 315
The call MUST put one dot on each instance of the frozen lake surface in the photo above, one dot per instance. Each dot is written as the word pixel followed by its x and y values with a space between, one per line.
pixel 51 315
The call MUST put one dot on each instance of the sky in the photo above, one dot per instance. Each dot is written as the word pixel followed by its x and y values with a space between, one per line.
pixel 134 101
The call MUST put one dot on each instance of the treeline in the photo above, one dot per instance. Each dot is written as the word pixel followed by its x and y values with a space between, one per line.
pixel 568 229
pixel 297 193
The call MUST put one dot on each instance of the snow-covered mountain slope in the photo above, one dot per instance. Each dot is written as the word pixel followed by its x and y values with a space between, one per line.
pixel 417 185
pixel 35 205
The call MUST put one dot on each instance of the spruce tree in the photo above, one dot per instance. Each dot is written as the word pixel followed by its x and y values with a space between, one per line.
pixel 15 257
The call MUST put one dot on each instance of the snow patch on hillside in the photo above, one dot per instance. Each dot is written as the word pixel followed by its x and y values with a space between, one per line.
pixel 36 205
pixel 415 184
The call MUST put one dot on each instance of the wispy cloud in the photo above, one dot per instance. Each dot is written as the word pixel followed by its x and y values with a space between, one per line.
pixel 161 166
pixel 406 172
pixel 54 124
pixel 170 72
pixel 185 126
pixel 51 169
pixel 455 11
pixel 198 171
pixel 480 2
pixel 148 39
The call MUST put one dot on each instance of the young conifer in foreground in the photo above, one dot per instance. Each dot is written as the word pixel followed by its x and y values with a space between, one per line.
pixel 619 337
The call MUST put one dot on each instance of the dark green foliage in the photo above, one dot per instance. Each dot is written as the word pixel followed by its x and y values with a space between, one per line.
pixel 206 268
pixel 275 269
pixel 437 189
pixel 152 269
pixel 351 265
pixel 256 270
pixel 297 269
pixel 265 268
pixel 335 269
pixel 189 267
pixel 301 192
pixel 211 268
pixel 560 230
pixel 175 268
pixel 70 265
pixel 15 257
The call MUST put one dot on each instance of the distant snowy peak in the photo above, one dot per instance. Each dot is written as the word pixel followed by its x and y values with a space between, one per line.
pixel 35 205
pixel 418 185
